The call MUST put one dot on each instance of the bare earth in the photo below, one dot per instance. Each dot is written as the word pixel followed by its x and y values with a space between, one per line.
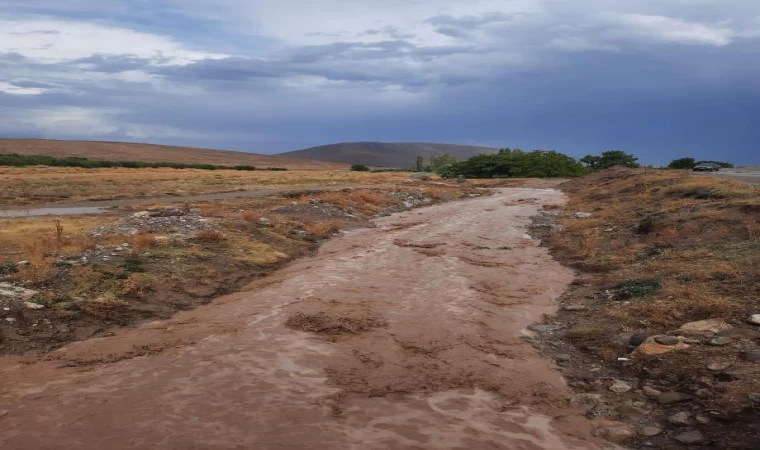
pixel 405 336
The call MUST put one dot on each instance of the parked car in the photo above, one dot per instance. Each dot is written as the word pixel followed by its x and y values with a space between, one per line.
pixel 706 168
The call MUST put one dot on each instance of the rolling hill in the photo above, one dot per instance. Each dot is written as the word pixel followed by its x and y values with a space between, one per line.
pixel 122 151
pixel 382 154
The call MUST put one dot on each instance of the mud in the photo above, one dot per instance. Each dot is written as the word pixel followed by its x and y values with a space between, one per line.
pixel 429 312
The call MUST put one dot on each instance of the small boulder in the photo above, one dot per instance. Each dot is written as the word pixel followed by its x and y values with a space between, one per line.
pixel 650 431
pixel 669 398
pixel 542 328
pixel 651 347
pixel 691 437
pixel 718 365
pixel 582 215
pixel 638 339
pixel 681 418
pixel 620 387
pixel 710 325
pixel 617 432
pixel 574 308
pixel 754 319
pixel 651 392
pixel 30 305
pixel 719 341
pixel 751 356
pixel 141 215
pixel 666 340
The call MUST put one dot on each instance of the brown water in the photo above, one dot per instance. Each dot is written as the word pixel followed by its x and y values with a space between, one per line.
pixel 438 300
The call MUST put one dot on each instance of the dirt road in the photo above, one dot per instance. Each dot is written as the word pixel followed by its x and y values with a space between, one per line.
pixel 404 336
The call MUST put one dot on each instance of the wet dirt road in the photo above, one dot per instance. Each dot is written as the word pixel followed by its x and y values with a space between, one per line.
pixel 405 336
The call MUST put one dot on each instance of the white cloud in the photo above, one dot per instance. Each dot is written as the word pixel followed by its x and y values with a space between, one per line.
pixel 50 41
pixel 18 90
pixel 670 29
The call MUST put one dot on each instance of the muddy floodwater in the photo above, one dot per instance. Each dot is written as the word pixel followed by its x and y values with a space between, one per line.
pixel 405 336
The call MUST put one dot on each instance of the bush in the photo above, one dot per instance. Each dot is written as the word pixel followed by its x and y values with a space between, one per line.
pixel 516 163
pixel 641 287
pixel 359 168
pixel 8 268
pixel 424 176
pixel 682 163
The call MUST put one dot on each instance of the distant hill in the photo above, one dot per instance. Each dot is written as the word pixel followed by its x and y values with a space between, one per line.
pixel 123 151
pixel 382 154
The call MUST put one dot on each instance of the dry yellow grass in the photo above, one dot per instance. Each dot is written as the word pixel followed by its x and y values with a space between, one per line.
pixel 38 185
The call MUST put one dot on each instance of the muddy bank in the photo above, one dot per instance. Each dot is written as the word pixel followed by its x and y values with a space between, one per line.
pixel 408 335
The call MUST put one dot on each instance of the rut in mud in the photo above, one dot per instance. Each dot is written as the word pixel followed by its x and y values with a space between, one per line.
pixel 404 336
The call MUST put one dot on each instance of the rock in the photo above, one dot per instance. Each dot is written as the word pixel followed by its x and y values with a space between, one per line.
pixel 754 397
pixel 681 418
pixel 542 328
pixel 710 325
pixel 616 432
pixel 718 365
pixel 620 387
pixel 651 347
pixel 704 420
pixel 638 339
pixel 651 392
pixel 666 340
pixel 22 263
pixel 668 398
pixel 719 341
pixel 30 305
pixel 754 319
pixel 574 308
pixel 10 319
pixel 650 431
pixel 740 333
pixel 751 356
pixel 582 215
pixel 141 215
pixel 690 437
pixel 264 221
pixel 563 357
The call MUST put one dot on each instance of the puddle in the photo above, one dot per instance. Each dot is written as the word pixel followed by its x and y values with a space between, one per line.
pixel 70 211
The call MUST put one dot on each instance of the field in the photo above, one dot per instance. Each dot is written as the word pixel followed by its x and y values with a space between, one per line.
pixel 73 277
pixel 658 252
pixel 44 185
pixel 121 151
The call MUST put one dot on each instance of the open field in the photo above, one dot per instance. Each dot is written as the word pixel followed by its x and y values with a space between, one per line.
pixel 658 250
pixel 123 151
pixel 45 185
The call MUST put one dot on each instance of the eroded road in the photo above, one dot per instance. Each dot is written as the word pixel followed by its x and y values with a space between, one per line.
pixel 436 301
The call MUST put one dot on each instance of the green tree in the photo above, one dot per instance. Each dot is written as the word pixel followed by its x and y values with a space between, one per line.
pixel 517 163
pixel 609 159
pixel 419 164
pixel 682 163
pixel 439 163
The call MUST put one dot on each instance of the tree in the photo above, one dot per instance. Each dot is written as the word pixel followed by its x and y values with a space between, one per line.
pixel 682 163
pixel 609 159
pixel 538 164
pixel 439 163
pixel 419 164
pixel 359 168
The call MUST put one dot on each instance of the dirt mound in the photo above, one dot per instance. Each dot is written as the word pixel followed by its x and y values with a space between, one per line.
pixel 323 322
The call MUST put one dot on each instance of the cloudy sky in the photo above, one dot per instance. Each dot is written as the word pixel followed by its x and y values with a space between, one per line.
pixel 659 78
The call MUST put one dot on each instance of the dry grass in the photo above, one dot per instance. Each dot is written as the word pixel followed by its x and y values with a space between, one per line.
pixel 38 185
pixel 698 234
pixel 322 229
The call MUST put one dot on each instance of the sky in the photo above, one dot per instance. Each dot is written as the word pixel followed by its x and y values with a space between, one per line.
pixel 658 78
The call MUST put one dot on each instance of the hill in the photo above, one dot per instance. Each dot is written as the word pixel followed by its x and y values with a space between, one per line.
pixel 383 154
pixel 123 151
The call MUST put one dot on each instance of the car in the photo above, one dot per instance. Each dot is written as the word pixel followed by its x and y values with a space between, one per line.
pixel 706 168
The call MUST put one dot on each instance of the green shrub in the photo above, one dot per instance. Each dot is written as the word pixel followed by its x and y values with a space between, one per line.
pixel 359 168
pixel 640 287
pixel 8 268
pixel 16 160
pixel 516 163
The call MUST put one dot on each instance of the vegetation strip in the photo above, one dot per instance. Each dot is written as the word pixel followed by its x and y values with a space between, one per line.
pixel 16 160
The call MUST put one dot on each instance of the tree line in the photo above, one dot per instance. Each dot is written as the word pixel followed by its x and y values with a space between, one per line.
pixel 508 163
pixel 16 160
